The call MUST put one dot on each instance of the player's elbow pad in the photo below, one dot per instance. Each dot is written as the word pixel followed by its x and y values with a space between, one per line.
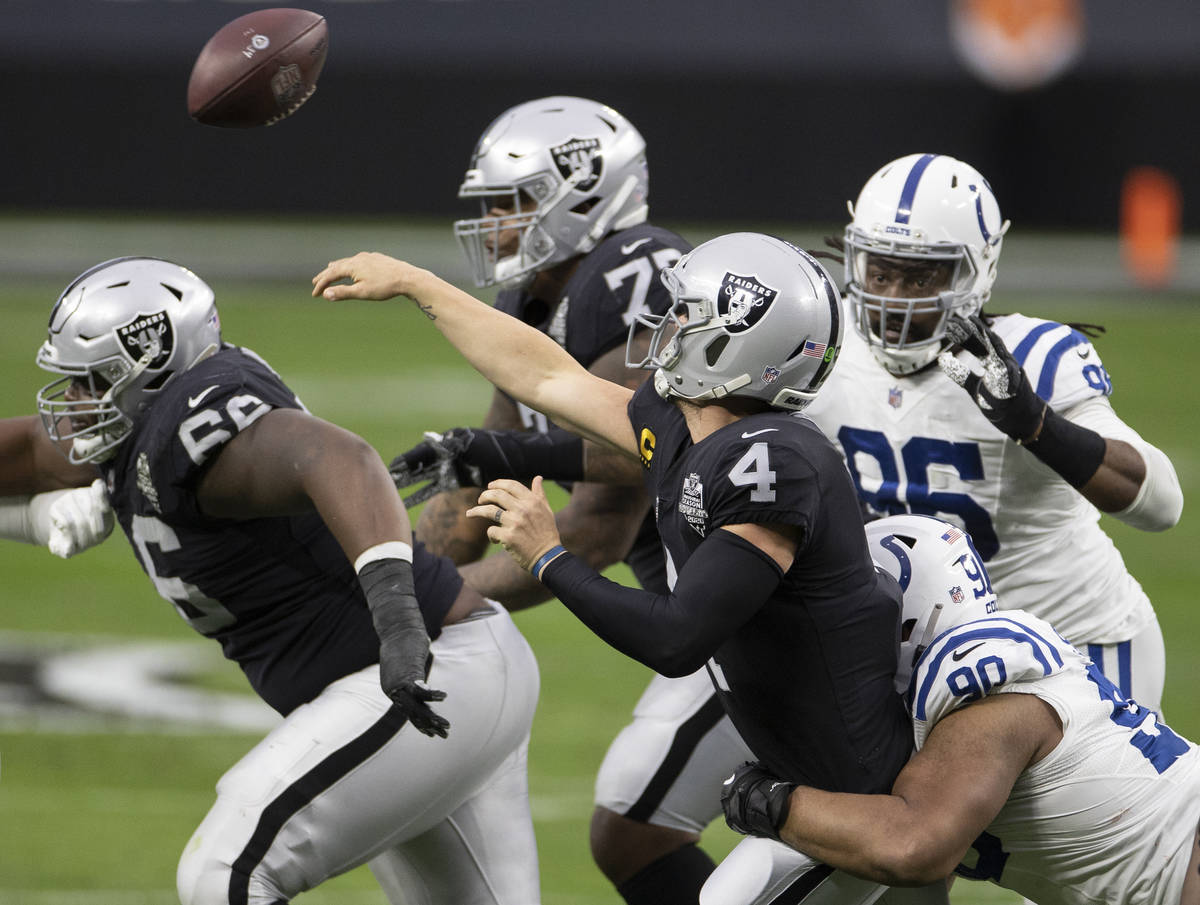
pixel 1159 502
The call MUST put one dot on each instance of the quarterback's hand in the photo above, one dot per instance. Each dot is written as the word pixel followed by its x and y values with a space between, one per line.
pixel 442 459
pixel 370 275
pixel 1002 391
pixel 405 684
pixel 79 519
pixel 521 517
pixel 755 802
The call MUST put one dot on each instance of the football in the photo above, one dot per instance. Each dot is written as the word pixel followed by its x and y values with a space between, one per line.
pixel 258 69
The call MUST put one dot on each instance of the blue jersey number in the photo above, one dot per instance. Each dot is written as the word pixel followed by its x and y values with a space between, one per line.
pixel 917 454
pixel 1157 742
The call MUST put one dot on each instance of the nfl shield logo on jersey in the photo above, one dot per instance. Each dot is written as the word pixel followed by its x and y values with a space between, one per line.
pixel 148 334
pixel 743 300
pixel 895 397
pixel 582 156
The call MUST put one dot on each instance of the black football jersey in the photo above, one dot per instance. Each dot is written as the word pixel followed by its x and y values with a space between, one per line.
pixel 278 593
pixel 615 282
pixel 808 680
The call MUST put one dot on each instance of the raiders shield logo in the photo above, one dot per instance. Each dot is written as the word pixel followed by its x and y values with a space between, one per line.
pixel 582 156
pixel 148 334
pixel 743 300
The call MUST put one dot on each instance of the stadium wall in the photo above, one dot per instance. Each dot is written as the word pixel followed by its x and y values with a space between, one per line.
pixel 779 114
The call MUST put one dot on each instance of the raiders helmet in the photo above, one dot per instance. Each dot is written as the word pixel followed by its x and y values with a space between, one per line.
pixel 923 208
pixel 567 171
pixel 941 575
pixel 124 328
pixel 752 316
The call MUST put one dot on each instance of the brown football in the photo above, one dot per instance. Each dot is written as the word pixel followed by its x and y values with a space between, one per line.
pixel 258 69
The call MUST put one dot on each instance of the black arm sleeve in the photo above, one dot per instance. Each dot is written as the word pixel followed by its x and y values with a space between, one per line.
pixel 556 455
pixel 722 585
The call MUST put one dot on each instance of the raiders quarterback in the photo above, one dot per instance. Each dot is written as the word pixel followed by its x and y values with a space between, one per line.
pixel 773 590
pixel 1023 459
pixel 1033 770
pixel 561 184
pixel 406 697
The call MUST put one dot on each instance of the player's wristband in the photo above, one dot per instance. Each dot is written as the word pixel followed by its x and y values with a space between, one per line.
pixel 393 549
pixel 545 560
pixel 1075 452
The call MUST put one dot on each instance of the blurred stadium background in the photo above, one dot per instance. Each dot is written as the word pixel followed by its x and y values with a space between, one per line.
pixel 115 721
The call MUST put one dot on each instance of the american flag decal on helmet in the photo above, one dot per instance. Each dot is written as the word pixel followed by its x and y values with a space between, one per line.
pixel 812 349
pixel 952 535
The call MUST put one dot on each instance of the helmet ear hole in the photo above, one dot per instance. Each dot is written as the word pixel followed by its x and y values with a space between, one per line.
pixel 712 352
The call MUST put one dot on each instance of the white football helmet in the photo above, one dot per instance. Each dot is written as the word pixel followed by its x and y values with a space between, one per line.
pixel 125 328
pixel 921 208
pixel 751 316
pixel 570 170
pixel 941 574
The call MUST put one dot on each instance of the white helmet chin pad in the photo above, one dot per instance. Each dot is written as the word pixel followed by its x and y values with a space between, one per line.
pixel 566 170
pixel 119 332
pixel 934 216
pixel 941 575
pixel 752 316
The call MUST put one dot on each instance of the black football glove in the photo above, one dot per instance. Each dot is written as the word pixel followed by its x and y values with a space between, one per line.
pixel 406 685
pixel 441 459
pixel 755 802
pixel 404 657
pixel 1002 391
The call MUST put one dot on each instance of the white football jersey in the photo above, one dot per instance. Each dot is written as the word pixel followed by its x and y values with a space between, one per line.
pixel 1110 814
pixel 919 444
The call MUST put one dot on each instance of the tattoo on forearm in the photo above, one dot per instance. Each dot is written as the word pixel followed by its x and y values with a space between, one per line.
pixel 427 310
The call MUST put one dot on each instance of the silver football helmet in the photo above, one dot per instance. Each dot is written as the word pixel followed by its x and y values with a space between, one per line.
pixel 942 576
pixel 562 172
pixel 120 332
pixel 922 209
pixel 751 316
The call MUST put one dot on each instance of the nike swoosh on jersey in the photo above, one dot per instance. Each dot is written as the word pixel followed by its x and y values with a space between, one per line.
pixel 959 654
pixel 629 249
pixel 765 430
pixel 194 401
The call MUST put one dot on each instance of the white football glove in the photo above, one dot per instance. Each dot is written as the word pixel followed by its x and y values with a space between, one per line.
pixel 79 519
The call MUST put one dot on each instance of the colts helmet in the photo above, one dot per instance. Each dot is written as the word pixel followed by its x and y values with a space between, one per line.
pixel 571 171
pixel 921 208
pixel 123 328
pixel 751 316
pixel 941 575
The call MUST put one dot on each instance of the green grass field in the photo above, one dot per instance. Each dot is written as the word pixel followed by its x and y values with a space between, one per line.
pixel 95 811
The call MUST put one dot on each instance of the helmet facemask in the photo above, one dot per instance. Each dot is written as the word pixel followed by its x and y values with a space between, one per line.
pixel 92 423
pixel 484 240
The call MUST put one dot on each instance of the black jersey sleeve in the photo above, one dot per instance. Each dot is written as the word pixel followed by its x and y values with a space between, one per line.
pixel 675 633
pixel 202 410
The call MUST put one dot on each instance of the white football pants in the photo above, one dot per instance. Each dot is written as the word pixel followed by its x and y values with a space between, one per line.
pixel 344 781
